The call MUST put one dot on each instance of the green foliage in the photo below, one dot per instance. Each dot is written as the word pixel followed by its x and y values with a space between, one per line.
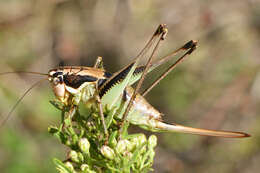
pixel 91 150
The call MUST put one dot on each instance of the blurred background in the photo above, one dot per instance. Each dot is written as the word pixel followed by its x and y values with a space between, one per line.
pixel 217 87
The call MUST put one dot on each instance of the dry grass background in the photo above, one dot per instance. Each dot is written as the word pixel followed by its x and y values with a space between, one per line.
pixel 217 87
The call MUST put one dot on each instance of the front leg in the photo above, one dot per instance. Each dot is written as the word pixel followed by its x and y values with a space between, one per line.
pixel 99 63
pixel 68 115
pixel 100 107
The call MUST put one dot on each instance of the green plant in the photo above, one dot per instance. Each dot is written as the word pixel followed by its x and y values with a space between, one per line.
pixel 91 151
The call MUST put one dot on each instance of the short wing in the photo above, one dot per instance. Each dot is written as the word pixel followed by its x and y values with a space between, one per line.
pixel 114 87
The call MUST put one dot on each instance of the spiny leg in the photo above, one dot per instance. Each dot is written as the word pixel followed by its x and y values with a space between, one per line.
pixel 112 89
pixel 139 70
pixel 162 31
pixel 99 64
pixel 190 44
pixel 190 47
pixel 148 45
pixel 100 107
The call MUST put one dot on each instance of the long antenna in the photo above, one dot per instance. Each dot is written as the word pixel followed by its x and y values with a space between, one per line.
pixel 20 99
pixel 26 72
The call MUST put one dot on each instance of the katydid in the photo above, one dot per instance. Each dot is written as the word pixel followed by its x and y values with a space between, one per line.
pixel 114 91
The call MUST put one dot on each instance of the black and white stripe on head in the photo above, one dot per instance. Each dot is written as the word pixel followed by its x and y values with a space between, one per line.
pixel 78 76
pixel 55 73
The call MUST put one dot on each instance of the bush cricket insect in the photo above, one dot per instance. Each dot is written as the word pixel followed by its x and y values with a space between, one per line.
pixel 113 91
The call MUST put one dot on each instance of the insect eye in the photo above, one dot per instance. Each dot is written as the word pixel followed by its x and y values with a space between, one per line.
pixel 57 80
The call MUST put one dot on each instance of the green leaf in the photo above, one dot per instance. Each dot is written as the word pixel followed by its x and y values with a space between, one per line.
pixel 53 130
pixel 61 166
pixel 57 104
pixel 110 117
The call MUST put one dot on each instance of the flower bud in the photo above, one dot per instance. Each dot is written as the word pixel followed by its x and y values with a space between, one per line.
pixel 68 143
pixel 139 140
pixel 113 142
pixel 74 156
pixel 129 155
pixel 122 145
pixel 84 167
pixel 53 130
pixel 143 149
pixel 80 157
pixel 142 139
pixel 70 166
pixel 152 141
pixel 107 152
pixel 152 154
pixel 84 145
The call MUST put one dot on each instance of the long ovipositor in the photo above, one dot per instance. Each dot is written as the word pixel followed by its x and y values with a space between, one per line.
pixel 147 117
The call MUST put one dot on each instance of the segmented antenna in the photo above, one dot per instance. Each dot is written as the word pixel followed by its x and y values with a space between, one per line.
pixel 26 72
pixel 19 100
